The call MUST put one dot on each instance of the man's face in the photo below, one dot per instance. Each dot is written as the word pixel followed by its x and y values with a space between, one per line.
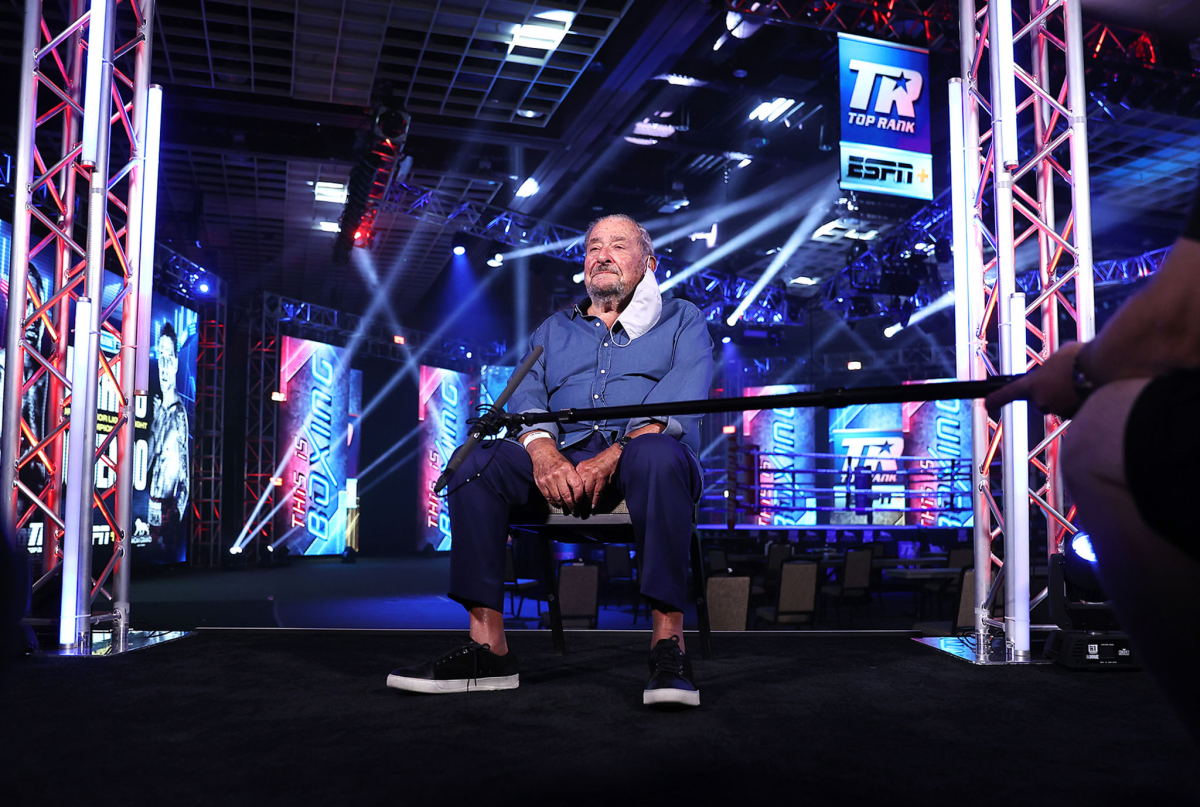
pixel 614 264
pixel 167 364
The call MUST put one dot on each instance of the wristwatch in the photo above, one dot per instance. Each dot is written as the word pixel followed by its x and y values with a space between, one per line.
pixel 1084 386
pixel 624 440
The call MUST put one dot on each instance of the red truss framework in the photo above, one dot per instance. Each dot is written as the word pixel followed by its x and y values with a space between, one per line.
pixel 60 194
pixel 931 24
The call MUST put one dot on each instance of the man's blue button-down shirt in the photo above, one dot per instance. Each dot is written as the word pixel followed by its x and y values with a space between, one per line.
pixel 585 366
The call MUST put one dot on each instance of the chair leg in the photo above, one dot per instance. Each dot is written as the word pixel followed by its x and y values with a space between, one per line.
pixel 701 597
pixel 556 626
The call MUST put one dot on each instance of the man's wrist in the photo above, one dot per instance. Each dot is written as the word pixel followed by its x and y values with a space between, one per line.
pixel 527 439
pixel 1083 378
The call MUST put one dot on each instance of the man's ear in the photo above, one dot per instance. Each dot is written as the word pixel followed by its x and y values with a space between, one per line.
pixel 651 263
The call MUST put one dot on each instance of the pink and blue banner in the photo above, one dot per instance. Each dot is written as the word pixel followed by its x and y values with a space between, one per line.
pixel 444 403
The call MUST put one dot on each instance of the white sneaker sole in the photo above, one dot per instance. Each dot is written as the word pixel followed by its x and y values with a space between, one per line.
pixel 651 697
pixel 457 685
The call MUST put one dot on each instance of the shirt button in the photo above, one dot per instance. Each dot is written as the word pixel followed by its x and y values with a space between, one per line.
pixel 606 344
pixel 603 371
pixel 594 428
pixel 595 396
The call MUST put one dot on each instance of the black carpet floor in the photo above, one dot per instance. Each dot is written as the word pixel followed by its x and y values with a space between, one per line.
pixel 304 717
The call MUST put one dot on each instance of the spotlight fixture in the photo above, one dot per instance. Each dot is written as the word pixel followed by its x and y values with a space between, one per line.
pixel 769 111
pixel 756 139
pixel 459 242
pixel 676 199
pixel 496 261
pixel 528 188
pixel 1089 636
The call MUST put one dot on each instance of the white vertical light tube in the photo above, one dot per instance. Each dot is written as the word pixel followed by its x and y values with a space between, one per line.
pixel 74 628
pixel 1004 76
pixel 961 209
pixel 95 101
pixel 149 217
pixel 1016 494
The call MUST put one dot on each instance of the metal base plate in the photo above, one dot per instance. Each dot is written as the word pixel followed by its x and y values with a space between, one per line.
pixel 965 648
pixel 102 642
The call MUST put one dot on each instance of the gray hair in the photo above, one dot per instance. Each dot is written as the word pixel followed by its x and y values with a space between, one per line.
pixel 644 242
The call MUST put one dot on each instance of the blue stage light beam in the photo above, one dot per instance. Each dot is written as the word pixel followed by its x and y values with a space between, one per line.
pixel 394 448
pixel 414 362
pixel 780 217
pixel 392 469
pixel 799 236
pixel 377 302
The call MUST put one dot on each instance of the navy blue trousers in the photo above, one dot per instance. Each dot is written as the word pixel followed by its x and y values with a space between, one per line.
pixel 657 476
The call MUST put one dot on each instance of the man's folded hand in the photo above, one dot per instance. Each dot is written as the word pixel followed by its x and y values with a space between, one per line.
pixel 554 475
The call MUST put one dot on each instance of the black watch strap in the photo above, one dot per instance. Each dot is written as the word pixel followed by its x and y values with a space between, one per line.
pixel 624 440
pixel 1084 385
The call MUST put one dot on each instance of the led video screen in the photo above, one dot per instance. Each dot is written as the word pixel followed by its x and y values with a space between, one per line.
pixel 163 420
pixel 784 438
pixel 320 406
pixel 903 464
pixel 443 407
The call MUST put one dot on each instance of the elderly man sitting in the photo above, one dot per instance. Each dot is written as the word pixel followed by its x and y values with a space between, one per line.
pixel 625 345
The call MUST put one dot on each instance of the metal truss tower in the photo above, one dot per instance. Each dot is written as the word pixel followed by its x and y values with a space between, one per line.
pixel 1020 153
pixel 86 147
pixel 208 460
pixel 262 382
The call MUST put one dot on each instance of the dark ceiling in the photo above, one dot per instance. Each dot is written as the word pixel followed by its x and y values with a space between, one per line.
pixel 265 98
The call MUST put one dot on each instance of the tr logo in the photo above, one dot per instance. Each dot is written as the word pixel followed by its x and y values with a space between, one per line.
pixel 899 89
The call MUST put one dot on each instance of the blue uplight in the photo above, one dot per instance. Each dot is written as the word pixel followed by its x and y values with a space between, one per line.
pixel 1081 543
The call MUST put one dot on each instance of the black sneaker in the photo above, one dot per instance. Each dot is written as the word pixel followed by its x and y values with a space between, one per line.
pixel 465 669
pixel 670 676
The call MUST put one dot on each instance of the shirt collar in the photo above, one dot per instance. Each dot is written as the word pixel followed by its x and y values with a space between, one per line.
pixel 643 311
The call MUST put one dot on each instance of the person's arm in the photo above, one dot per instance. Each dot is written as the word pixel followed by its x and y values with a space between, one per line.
pixel 1156 330
pixel 689 378
pixel 531 394
pixel 554 475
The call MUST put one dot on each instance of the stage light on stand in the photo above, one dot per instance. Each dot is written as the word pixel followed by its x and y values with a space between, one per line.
pixel 1081 544
pixel 1089 636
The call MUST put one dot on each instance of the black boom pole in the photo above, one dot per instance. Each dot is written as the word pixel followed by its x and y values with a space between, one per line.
pixel 834 398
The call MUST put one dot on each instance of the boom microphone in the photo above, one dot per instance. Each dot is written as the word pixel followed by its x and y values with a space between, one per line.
pixel 483 426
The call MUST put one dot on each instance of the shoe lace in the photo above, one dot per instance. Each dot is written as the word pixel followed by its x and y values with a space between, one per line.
pixel 668 657
pixel 473 649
